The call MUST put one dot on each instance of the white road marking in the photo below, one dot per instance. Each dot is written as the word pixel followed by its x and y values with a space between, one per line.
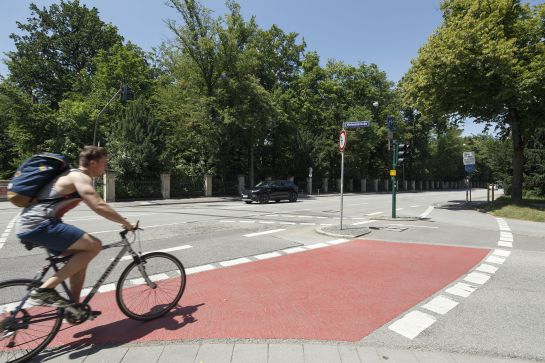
pixel 487 268
pixel 172 249
pixel 146 227
pixel 106 288
pixel 196 269
pixel 266 222
pixel 288 223
pixel 412 324
pixel 399 208
pixel 316 245
pixel 440 305
pixel 325 224
pixel 337 241
pixel 234 262
pixel 477 278
pixel 295 250
pixel 505 244
pixel 461 289
pixel 307 224
pixel 265 232
pixel 502 253
pixel 227 221
pixel 427 212
pixel 246 221
pixel 374 214
pixel 494 259
pixel 265 256
pixel 364 222
pixel 415 206
pixel 411 225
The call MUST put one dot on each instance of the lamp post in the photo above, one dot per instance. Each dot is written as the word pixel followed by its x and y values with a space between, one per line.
pixel 122 88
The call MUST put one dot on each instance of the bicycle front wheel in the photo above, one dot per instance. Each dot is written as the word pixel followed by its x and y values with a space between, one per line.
pixel 141 300
pixel 26 330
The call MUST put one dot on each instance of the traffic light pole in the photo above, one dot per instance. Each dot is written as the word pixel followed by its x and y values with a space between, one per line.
pixel 393 175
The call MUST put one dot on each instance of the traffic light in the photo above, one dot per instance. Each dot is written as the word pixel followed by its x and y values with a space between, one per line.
pixel 402 152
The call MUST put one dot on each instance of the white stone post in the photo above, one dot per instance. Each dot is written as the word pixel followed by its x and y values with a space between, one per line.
pixel 208 185
pixel 375 185
pixel 109 186
pixel 241 183
pixel 309 185
pixel 325 185
pixel 364 185
pixel 165 185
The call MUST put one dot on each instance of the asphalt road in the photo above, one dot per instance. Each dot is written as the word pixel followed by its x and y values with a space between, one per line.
pixel 502 317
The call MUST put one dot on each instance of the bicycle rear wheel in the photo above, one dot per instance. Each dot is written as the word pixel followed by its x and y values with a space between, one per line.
pixel 137 299
pixel 28 331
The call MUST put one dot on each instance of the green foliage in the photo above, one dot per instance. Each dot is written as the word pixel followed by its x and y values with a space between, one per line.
pixel 486 61
pixel 136 142
pixel 57 48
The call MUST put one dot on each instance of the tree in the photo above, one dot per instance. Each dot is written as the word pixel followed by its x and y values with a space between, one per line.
pixel 486 61
pixel 54 55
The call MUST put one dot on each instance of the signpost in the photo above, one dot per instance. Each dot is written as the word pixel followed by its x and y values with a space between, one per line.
pixel 342 145
pixel 469 165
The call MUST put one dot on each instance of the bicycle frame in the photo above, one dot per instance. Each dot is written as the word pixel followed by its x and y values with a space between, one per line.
pixel 53 261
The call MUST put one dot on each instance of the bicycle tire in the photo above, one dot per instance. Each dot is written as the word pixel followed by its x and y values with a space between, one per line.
pixel 47 322
pixel 131 289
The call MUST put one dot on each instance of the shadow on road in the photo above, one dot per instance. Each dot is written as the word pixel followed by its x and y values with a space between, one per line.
pixel 118 333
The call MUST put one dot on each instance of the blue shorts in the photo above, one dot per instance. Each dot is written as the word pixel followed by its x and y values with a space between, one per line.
pixel 54 235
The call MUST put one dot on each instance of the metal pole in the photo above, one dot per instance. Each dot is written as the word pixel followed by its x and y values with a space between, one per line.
pixel 394 184
pixel 342 184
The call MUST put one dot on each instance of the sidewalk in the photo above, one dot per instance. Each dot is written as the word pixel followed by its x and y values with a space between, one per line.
pixel 251 352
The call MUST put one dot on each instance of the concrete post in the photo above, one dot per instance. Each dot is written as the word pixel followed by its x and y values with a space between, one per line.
pixel 364 185
pixel 4 189
pixel 339 185
pixel 375 185
pixel 386 185
pixel 405 185
pixel 109 186
pixel 241 183
pixel 350 185
pixel 325 185
pixel 208 185
pixel 309 185
pixel 165 185
pixel 420 185
pixel 413 185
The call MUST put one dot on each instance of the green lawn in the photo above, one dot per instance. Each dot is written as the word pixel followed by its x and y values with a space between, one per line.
pixel 531 209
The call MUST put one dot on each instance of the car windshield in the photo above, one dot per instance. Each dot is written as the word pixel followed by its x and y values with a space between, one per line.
pixel 264 184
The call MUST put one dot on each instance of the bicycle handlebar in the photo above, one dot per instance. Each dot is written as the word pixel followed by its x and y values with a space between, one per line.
pixel 124 232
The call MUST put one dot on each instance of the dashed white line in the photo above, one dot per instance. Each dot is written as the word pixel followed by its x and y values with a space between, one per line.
pixel 295 250
pixel 461 289
pixel 264 232
pixel 265 256
pixel 316 245
pixel 477 278
pixel 364 222
pixel 427 212
pixel 374 214
pixel 234 262
pixel 487 268
pixel 440 305
pixel 194 270
pixel 172 249
pixel 502 253
pixel 494 259
pixel 412 324
pixel 505 244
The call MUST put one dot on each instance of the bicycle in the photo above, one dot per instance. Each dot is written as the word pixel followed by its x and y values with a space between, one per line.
pixel 26 330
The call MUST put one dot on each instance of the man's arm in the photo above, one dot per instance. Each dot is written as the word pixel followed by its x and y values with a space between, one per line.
pixel 84 187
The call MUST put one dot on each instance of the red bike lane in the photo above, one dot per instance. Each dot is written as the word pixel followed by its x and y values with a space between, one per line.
pixel 339 293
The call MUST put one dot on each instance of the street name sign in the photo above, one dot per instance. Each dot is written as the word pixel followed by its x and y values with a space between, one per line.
pixel 469 157
pixel 356 124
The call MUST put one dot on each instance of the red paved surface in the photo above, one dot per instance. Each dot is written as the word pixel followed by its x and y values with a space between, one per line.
pixel 342 293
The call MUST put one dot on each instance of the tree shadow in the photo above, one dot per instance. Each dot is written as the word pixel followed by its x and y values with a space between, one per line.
pixel 118 333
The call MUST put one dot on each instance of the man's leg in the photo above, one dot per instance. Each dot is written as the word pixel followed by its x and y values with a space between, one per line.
pixel 76 284
pixel 84 249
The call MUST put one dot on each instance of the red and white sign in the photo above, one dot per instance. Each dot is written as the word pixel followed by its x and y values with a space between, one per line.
pixel 342 141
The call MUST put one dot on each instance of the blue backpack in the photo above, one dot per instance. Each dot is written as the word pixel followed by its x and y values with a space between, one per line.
pixel 33 175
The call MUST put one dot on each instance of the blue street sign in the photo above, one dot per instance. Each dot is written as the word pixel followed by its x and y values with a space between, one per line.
pixel 390 121
pixel 470 168
pixel 356 124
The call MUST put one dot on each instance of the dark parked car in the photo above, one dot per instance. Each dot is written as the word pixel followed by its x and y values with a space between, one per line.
pixel 276 190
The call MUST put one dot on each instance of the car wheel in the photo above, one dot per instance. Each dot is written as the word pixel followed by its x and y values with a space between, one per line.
pixel 264 198
pixel 277 200
pixel 293 197
pixel 248 201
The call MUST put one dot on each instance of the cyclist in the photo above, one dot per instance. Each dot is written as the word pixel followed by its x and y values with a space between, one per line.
pixel 41 224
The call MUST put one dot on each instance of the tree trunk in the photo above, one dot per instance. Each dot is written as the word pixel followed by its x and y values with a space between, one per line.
pixel 518 160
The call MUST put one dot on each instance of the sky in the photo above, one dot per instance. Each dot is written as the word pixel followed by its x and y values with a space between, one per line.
pixel 387 32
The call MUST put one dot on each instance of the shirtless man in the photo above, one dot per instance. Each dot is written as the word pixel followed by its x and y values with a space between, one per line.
pixel 41 224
